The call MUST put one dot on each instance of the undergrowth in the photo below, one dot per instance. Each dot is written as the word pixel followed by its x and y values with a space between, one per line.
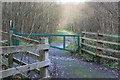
pixel 91 58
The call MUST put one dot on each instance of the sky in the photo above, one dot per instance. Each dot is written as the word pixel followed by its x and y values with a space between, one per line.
pixel 70 1
pixel 82 1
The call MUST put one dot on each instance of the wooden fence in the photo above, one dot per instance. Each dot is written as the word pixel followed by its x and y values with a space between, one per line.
pixel 99 39
pixel 40 67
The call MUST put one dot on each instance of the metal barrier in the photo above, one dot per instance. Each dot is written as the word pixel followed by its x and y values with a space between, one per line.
pixel 16 42
pixel 49 39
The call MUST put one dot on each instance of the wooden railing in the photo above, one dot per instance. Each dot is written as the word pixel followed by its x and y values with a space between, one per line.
pixel 40 67
pixel 100 49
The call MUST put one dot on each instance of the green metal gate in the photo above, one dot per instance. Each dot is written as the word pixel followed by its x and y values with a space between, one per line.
pixel 16 42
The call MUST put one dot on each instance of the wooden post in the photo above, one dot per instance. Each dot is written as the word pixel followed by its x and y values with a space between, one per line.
pixel 1 59
pixel 10 56
pixel 78 43
pixel 99 44
pixel 83 41
pixel 43 55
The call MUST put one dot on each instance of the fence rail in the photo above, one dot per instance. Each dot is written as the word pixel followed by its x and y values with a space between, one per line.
pixel 13 71
pixel 40 67
pixel 13 49
pixel 99 45
pixel 100 34
pixel 100 48
pixel 102 41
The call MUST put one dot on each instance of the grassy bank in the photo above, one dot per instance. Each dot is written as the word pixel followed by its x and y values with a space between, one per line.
pixel 66 31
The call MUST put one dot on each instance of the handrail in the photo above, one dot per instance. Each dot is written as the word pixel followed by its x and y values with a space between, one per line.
pixel 108 42
pixel 22 38
pixel 100 34
pixel 45 35
pixel 13 49
pixel 25 39
pixel 20 34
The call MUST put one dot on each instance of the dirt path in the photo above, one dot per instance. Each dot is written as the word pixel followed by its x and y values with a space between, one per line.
pixel 65 66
